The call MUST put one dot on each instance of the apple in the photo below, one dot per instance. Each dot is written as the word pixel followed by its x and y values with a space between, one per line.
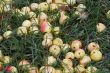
pixel 55 50
pixel 51 60
pixel 91 69
pixel 26 23
pixel 25 10
pixel 34 29
pixel 58 71
pixel 1 38
pixel 7 34
pixel 76 44
pixel 46 27
pixel 81 8
pixel 53 7
pixel 80 1
pixel 56 30
pixel 96 55
pixel 34 6
pixel 1 7
pixel 7 59
pixel 33 70
pixel 58 41
pixel 32 14
pixel 63 17
pixel 68 70
pixel 67 63
pixel 49 1
pixel 7 7
pixel 79 69
pixel 47 42
pixel 34 21
pixel 69 55
pixel 11 69
pixel 77 13
pixel 24 64
pixel 93 46
pixel 47 69
pixel 71 2
pixel 48 36
pixel 1 66
pixel 65 47
pixel 83 15
pixel 22 31
pixel 100 27
pixel 85 60
pixel 58 1
pixel 43 6
pixel 1 56
pixel 108 14
pixel 80 53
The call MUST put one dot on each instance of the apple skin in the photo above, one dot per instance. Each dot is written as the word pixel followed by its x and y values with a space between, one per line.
pixel 1 66
pixel 100 27
pixel 85 60
pixel 46 42
pixel 68 70
pixel 51 60
pixel 91 69
pixel 58 41
pixel 48 36
pixel 26 23
pixel 22 31
pixel 79 69
pixel 7 34
pixel 8 69
pixel 69 55
pixel 92 46
pixel 67 63
pixel 58 71
pixel 54 50
pixel 46 27
pixel 33 70
pixel 25 10
pixel 65 48
pixel 76 44
pixel 96 55
pixel 43 6
pixel 80 53
pixel 47 69
pixel 34 6
pixel 24 64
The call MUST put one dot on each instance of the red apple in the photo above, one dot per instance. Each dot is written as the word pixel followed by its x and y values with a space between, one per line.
pixel 8 69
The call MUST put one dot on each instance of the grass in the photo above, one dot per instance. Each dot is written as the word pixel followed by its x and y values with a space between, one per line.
pixel 30 48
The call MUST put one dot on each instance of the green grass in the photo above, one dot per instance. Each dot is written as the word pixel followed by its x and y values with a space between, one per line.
pixel 30 48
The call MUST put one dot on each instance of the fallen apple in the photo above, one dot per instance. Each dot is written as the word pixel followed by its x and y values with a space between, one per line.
pixel 48 36
pixel 80 53
pixel 22 31
pixel 51 60
pixel 43 6
pixel 47 69
pixel 34 6
pixel 47 42
pixel 67 63
pixel 58 41
pixel 79 69
pixel 26 23
pixel 100 27
pixel 91 69
pixel 69 55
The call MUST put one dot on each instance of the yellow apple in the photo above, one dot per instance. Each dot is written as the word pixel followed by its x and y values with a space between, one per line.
pixel 24 64
pixel 75 45
pixel 93 46
pixel 1 7
pixel 53 7
pixel 85 60
pixel 67 63
pixel 43 6
pixel 65 47
pixel 7 59
pixel 79 69
pixel 7 34
pixel 32 14
pixel 14 69
pixel 22 31
pixel 25 10
pixel 51 60
pixel 46 42
pixel 81 7
pixel 48 36
pixel 34 21
pixel 34 29
pixel 58 41
pixel 80 53
pixel 56 30
pixel 100 27
pixel 63 17
pixel 59 1
pixel 68 70
pixel 47 69
pixel 69 55
pixel 71 2
pixel 33 70
pixel 91 69
pixel 96 55
pixel 26 23
pixel 49 1
pixel 34 6
pixel 55 50
pixel 1 56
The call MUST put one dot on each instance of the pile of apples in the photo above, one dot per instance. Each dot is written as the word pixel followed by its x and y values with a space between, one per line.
pixel 55 45
pixel 4 64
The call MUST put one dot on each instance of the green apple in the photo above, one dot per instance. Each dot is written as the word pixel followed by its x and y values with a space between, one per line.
pixel 91 69
pixel 80 69
pixel 58 41
pixel 7 34
pixel 43 6
pixel 67 63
